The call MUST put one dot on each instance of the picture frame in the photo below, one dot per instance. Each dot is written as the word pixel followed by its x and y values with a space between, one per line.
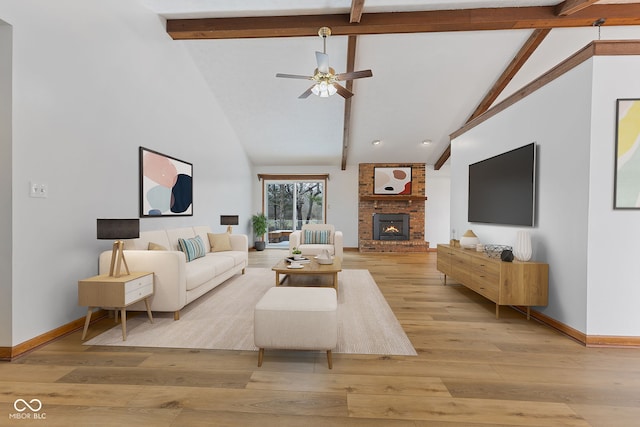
pixel 166 185
pixel 626 193
pixel 392 180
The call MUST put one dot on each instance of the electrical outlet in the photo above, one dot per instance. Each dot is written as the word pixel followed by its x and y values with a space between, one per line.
pixel 38 190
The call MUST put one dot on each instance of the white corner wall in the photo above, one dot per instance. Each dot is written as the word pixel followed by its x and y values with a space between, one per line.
pixel 93 81
pixel 6 253
pixel 557 117
pixel 613 267
pixel 437 212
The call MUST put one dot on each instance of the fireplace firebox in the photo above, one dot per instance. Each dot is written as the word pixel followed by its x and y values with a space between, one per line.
pixel 391 227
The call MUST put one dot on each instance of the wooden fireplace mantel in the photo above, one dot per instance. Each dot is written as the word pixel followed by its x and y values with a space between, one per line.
pixel 392 198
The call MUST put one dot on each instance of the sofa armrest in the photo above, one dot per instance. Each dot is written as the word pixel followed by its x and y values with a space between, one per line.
pixel 169 278
pixel 239 242
pixel 294 240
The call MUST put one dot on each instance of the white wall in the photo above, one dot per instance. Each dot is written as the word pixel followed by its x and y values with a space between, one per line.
pixel 93 81
pixel 341 193
pixel 6 253
pixel 437 206
pixel 590 247
pixel 557 117
pixel 614 270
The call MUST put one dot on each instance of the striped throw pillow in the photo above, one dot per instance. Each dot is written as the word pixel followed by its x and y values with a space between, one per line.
pixel 321 237
pixel 192 248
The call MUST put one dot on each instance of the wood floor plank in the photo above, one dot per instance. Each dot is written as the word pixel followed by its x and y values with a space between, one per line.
pixel 161 377
pixel 517 413
pixel 367 384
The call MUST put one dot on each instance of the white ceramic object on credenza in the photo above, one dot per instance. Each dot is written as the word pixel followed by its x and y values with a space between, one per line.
pixel 522 249
pixel 469 240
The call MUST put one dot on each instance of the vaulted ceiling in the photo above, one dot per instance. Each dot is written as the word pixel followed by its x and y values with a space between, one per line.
pixel 436 64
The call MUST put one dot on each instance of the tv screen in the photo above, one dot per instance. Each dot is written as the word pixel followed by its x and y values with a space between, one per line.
pixel 502 188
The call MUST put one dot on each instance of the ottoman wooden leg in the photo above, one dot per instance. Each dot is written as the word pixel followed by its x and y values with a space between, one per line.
pixel 260 356
pixel 329 359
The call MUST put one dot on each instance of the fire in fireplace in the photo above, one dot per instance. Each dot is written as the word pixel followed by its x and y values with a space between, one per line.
pixel 391 227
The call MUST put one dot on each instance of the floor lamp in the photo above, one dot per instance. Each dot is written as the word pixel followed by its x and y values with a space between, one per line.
pixel 118 229
pixel 229 220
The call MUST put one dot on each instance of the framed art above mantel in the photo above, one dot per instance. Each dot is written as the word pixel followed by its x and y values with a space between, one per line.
pixel 392 180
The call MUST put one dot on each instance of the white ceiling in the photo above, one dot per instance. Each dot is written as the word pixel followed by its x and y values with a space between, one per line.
pixel 424 86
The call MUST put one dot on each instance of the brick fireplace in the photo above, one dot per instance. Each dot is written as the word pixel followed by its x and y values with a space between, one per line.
pixel 391 222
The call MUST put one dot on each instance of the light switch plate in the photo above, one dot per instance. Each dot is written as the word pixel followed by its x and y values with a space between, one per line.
pixel 38 190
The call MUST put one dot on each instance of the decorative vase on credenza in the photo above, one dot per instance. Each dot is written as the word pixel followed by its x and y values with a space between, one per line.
pixel 522 249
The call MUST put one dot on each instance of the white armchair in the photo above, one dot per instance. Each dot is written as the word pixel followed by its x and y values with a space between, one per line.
pixel 312 239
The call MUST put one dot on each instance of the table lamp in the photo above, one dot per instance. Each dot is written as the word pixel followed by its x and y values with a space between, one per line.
pixel 229 220
pixel 118 229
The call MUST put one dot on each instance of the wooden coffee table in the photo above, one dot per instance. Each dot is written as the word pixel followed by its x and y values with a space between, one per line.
pixel 311 268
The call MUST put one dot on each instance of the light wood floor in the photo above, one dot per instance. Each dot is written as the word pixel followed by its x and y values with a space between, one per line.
pixel 471 370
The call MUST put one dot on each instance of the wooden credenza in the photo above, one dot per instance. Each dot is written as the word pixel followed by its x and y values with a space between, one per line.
pixel 505 283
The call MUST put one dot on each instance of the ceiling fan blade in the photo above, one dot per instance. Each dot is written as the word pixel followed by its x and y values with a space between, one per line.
pixel 343 91
pixel 323 62
pixel 293 76
pixel 354 75
pixel 306 93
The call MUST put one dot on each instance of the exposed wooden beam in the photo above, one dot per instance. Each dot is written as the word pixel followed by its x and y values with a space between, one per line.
pixel 357 6
pixel 443 158
pixel 512 69
pixel 507 18
pixel 570 7
pixel 351 64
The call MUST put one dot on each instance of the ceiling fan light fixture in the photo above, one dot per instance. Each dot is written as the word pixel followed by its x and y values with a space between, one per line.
pixel 323 89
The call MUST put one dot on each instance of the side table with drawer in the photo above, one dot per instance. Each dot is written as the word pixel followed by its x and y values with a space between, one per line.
pixel 115 292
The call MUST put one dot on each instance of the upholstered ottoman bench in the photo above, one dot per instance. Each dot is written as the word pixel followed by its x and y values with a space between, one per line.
pixel 296 318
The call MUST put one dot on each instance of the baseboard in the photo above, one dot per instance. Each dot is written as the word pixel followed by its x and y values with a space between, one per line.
pixel 10 353
pixel 582 338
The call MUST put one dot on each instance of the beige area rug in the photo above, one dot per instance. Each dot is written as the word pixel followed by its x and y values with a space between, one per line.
pixel 223 319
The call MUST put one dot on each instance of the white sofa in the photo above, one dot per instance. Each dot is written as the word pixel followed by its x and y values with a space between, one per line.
pixel 176 281
pixel 334 245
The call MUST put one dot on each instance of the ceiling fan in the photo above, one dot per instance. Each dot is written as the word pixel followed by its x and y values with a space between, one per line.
pixel 325 78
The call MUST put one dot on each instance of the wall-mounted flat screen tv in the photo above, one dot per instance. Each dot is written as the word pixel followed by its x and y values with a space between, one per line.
pixel 502 189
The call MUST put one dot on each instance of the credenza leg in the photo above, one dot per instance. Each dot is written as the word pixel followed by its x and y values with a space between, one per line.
pixel 497 311
pixel 528 313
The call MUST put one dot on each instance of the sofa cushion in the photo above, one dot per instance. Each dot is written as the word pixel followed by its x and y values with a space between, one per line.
pixel 173 234
pixel 219 242
pixel 199 272
pixel 142 243
pixel 193 248
pixel 238 257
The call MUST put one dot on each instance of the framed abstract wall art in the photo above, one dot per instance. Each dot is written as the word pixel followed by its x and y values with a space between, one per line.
pixel 166 185
pixel 627 168
pixel 392 180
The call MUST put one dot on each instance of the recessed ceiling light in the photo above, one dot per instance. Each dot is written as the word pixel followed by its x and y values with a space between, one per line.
pixel 376 142
pixel 426 142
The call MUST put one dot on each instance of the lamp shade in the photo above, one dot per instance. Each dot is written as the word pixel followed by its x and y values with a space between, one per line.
pixel 228 219
pixel 116 229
